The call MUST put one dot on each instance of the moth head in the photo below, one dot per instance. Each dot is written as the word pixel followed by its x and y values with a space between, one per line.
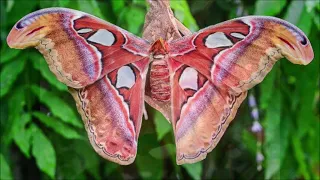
pixel 159 47
pixel 294 44
pixel 28 31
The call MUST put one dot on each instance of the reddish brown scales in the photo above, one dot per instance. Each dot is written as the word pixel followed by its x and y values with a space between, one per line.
pixel 159 47
pixel 159 71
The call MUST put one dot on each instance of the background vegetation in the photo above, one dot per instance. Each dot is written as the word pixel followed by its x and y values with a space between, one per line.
pixel 42 136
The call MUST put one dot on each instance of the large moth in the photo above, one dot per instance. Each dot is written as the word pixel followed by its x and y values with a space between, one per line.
pixel 197 82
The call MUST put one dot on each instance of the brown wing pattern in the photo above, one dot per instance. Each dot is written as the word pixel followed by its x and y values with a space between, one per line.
pixel 79 48
pixel 214 68
pixel 105 68
pixel 111 109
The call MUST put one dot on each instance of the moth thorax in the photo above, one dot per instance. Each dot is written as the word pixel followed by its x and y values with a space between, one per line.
pixel 159 49
pixel 160 80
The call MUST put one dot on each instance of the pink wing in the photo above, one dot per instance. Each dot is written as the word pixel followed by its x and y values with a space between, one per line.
pixel 214 68
pixel 104 62
pixel 79 48
pixel 111 109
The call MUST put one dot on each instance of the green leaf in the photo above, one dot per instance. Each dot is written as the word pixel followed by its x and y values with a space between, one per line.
pixel 312 98
pixel 249 140
pixel 286 130
pixel 289 167
pixel 139 3
pixel 22 135
pixel 194 170
pixel 88 156
pixel 117 6
pixel 91 7
pixel 110 168
pixel 158 152
pixel 298 14
pixel 272 133
pixel 70 165
pixel 149 172
pixel 76 158
pixel 147 142
pixel 57 106
pixel 9 74
pixel 43 152
pixel 311 4
pixel 8 54
pixel 199 6
pixel 162 125
pixel 306 153
pixel 5 172
pixel 9 5
pixel 4 125
pixel 299 155
pixel 316 20
pixel 63 3
pixel 135 22
pixel 17 12
pixel 266 87
pixel 47 4
pixel 182 12
pixel 305 23
pixel 166 151
pixel 270 7
pixel 294 11
pixel 57 126
pixel 16 104
pixel 40 64
pixel 71 158
pixel 313 156
pixel 307 89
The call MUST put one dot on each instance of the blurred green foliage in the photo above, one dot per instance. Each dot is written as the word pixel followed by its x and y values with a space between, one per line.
pixel 42 136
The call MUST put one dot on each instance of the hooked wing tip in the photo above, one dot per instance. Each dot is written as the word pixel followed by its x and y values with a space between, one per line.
pixel 296 53
pixel 294 44
pixel 26 37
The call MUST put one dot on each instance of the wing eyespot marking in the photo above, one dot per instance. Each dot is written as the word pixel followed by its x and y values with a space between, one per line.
pixel 189 79
pixel 238 35
pixel 125 77
pixel 20 25
pixel 304 41
pixel 103 37
pixel 217 40
pixel 84 30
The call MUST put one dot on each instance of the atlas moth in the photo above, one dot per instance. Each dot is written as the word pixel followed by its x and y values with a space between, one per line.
pixel 197 82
